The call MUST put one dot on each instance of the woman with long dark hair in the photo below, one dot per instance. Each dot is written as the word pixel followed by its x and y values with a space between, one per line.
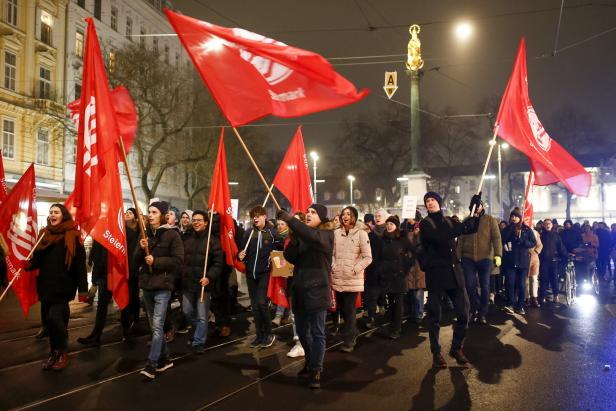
pixel 61 261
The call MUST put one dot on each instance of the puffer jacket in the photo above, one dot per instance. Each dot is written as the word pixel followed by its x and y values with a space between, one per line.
pixel 485 244
pixel 352 255
pixel 395 263
pixel 194 260
pixel 166 246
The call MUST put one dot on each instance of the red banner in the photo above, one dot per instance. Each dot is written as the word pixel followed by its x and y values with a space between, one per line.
pixel 528 205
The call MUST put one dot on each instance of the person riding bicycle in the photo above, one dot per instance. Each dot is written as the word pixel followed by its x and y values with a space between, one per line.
pixel 552 253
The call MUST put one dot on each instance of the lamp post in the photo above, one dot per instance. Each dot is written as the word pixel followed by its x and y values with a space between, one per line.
pixel 351 179
pixel 501 146
pixel 315 157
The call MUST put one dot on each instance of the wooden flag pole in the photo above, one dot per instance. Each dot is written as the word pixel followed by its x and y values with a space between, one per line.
pixel 252 232
pixel 17 274
pixel 134 195
pixel 485 166
pixel 207 249
pixel 252 160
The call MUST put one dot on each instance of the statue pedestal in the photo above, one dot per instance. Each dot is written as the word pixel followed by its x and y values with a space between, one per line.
pixel 414 184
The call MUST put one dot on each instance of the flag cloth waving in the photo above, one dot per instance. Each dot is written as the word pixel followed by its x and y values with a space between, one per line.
pixel 98 193
pixel 527 217
pixel 3 189
pixel 19 230
pixel 220 197
pixel 293 177
pixel 518 124
pixel 252 76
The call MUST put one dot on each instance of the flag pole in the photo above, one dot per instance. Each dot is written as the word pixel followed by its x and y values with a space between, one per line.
pixel 252 231
pixel 134 195
pixel 252 160
pixel 207 249
pixel 485 166
pixel 18 273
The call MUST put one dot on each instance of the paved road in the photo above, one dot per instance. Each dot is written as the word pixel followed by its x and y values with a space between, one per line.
pixel 553 358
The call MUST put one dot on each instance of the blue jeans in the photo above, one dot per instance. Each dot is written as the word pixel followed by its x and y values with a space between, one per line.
pixel 196 312
pixel 472 270
pixel 415 303
pixel 311 332
pixel 156 303
pixel 516 286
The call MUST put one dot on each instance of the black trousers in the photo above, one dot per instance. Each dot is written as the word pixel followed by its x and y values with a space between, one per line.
pixel 257 291
pixel 461 307
pixel 395 310
pixel 55 318
pixel 104 298
pixel 345 302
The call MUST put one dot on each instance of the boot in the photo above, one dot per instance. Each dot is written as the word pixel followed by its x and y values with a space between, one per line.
pixel 315 379
pixel 42 333
pixel 61 362
pixel 94 339
pixel 459 356
pixel 304 372
pixel 49 362
pixel 438 361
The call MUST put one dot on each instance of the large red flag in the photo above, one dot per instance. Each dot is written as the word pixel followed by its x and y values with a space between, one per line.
pixel 3 189
pixel 252 76
pixel 293 177
pixel 519 125
pixel 98 193
pixel 528 204
pixel 220 197
pixel 19 229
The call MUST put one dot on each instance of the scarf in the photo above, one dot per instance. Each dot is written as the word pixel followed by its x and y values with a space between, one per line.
pixel 132 224
pixel 64 231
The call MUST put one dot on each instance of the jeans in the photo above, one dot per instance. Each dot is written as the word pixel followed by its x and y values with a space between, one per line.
pixel 345 301
pixel 311 332
pixel 472 270
pixel 55 319
pixel 257 290
pixel 516 286
pixel 461 307
pixel 156 303
pixel 548 277
pixel 196 312
pixel 415 301
pixel 395 310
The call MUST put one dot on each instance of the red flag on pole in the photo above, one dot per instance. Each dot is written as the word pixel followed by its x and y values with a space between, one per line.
pixel 252 76
pixel 519 125
pixel 293 177
pixel 527 218
pixel 19 229
pixel 3 189
pixel 220 197
pixel 98 193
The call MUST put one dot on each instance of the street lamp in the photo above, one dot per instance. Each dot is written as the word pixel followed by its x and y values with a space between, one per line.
pixel 463 31
pixel 315 157
pixel 351 179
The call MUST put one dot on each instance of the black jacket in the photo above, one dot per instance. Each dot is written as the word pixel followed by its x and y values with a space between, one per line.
pixel 167 249
pixel 194 260
pixel 395 263
pixel 572 239
pixel 55 282
pixel 441 263
pixel 262 243
pixel 132 243
pixel 371 274
pixel 518 256
pixel 605 242
pixel 310 251
pixel 98 260
pixel 553 247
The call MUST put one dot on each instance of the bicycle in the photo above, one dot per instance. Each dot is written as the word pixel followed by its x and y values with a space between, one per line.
pixel 570 285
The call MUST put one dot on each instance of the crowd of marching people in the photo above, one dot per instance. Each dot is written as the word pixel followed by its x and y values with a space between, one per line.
pixel 344 266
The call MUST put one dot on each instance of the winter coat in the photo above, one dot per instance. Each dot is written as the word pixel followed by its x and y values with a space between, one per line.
pixel 132 243
pixel 165 245
pixel 553 247
pixel 593 242
pixel 395 263
pixel 371 273
pixel 98 260
pixel 262 243
pixel 440 261
pixel 536 250
pixel 195 245
pixel 55 282
pixel 518 256
pixel 417 277
pixel 572 239
pixel 352 255
pixel 605 242
pixel 311 252
pixel 485 243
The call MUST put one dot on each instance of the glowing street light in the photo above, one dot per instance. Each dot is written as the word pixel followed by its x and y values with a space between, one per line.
pixel 463 31
pixel 351 179
pixel 315 157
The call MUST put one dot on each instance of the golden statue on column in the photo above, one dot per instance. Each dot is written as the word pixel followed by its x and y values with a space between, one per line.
pixel 414 61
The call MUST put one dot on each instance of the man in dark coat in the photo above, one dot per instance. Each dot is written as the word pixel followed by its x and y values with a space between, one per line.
pixel 195 246
pixel 310 251
pixel 604 250
pixel 551 255
pixel 371 277
pixel 444 273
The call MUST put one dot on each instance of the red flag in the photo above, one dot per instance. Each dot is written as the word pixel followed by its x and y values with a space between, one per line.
pixel 276 291
pixel 528 205
pixel 519 125
pixel 252 76
pixel 98 193
pixel 19 229
pixel 221 199
pixel 3 189
pixel 293 177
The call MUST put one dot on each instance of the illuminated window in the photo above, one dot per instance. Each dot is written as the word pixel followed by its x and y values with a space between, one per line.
pixel 8 138
pixel 10 70
pixel 46 23
pixel 112 61
pixel 42 146
pixel 44 82
pixel 79 43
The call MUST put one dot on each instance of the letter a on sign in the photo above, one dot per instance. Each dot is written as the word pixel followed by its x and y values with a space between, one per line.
pixel 391 83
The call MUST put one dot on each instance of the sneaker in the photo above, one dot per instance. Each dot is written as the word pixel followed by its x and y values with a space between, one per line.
pixel 296 351
pixel 370 324
pixel 61 362
pixel 438 361
pixel 183 330
pixel 315 379
pixel 482 320
pixel 255 343
pixel 268 341
pixel 347 348
pixel 42 333
pixel 164 365
pixel 149 371
pixel 535 303
pixel 459 356
pixel 48 363
pixel 520 311
pixel 508 309
pixel 277 320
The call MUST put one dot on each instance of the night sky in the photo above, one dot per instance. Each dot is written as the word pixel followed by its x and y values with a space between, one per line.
pixel 581 76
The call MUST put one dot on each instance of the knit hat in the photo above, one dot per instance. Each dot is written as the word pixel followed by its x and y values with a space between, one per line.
pixel 434 195
pixel 369 218
pixel 176 212
pixel 353 211
pixel 516 212
pixel 393 219
pixel 321 211
pixel 161 206
pixel 132 210
pixel 189 213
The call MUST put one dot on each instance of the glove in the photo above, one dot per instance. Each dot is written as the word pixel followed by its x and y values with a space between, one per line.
pixel 475 202
pixel 283 215
pixel 497 260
